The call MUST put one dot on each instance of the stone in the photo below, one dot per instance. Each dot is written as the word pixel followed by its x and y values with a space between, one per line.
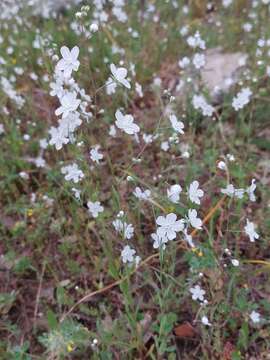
pixel 221 71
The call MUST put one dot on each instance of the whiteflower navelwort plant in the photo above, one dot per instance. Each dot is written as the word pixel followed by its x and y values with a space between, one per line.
pixel 178 209
pixel 169 227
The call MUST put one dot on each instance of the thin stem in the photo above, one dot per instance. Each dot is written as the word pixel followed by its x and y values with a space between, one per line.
pixel 142 264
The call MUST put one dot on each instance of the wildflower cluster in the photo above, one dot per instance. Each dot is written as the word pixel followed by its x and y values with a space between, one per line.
pixel 134 161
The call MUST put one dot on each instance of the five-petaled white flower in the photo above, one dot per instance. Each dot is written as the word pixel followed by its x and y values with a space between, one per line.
pixel 69 62
pixel 142 195
pixel 169 226
pixel 95 155
pixel 119 75
pixel 198 61
pixel 126 123
pixel 174 192
pixel 69 103
pixel 250 231
pixel 159 242
pixel 177 125
pixel 195 193
pixel 194 221
pixel 241 99
pixel 58 138
pixel 72 172
pixel 128 230
pixel 197 293
pixel 121 226
pixel 127 254
pixel 95 208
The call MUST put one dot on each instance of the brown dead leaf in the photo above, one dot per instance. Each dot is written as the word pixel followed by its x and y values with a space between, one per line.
pixel 185 330
pixel 228 350
pixel 7 221
pixel 216 278
pixel 144 327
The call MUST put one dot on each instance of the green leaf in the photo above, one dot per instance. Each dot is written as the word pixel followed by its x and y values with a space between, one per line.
pixel 262 143
pixel 243 336
pixel 52 320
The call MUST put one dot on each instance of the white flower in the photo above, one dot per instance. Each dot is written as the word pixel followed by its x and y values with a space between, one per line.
pixel 69 62
pixel 184 62
pixel 198 61
pixel 111 86
pixel 184 30
pixel 169 226
pixel 40 162
pixel 127 254
pixel 118 225
pixel 241 99
pixel 226 3
pixel 231 191
pixel 239 193
pixel 122 226
pixel 57 138
pixel 69 124
pixel 196 41
pixel 222 165
pixel 174 192
pixel 137 260
pixel 178 126
pixel 119 75
pixel 95 155
pixel 194 221
pixel 247 27
pixel 197 293
pixel 255 317
pixel 72 172
pixel 112 131
pixel 126 123
pixel 128 231
pixel 235 262
pixel 251 189
pixel 205 321
pixel 24 175
pixel 250 231
pixel 195 193
pixel 94 27
pixel 57 89
pixel 199 102
pixel 69 103
pixel 159 242
pixel 94 343
pixel 165 146
pixel 95 208
pixel 230 157
pixel 142 195
pixel 119 13
pixel 138 89
pixel 43 144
